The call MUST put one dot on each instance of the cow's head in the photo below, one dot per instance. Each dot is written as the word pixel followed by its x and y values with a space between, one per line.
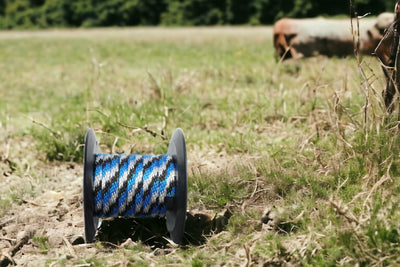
pixel 387 47
pixel 387 52
pixel 285 32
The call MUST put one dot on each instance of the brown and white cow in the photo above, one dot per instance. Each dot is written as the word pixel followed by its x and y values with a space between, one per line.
pixel 331 37
pixel 388 52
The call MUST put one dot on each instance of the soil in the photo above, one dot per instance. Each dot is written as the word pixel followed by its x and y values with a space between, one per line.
pixel 43 223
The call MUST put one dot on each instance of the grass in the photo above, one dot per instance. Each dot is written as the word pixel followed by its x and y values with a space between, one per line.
pixel 292 138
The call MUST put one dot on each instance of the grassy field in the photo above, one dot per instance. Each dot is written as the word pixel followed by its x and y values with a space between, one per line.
pixel 292 163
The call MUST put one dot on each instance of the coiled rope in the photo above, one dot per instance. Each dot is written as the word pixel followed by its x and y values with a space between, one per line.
pixel 133 185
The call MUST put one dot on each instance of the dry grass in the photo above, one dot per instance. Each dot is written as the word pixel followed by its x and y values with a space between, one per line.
pixel 303 172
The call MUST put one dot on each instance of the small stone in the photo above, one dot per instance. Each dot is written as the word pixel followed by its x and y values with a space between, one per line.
pixel 55 240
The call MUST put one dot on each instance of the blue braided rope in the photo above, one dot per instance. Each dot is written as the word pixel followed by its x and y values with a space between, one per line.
pixel 133 185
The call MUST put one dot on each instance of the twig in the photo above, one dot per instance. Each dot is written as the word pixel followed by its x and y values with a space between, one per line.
pixel 165 120
pixel 376 185
pixel 255 189
pixel 109 243
pixel 343 212
pixel 19 245
pixel 248 255
pixel 366 84
pixel 70 248
pixel 145 129
pixel 6 221
pixel 341 185
pixel 114 144
pixel 31 202
pixel 100 112
pixel 41 124
pixel 8 239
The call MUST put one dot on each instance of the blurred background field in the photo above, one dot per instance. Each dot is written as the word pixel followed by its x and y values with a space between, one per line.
pixel 300 156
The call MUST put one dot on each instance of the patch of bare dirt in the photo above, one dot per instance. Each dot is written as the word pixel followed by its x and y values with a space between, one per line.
pixel 44 219
pixel 47 222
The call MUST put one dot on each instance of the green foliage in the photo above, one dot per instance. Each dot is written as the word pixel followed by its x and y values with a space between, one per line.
pixel 62 145
pixel 42 243
pixel 55 12
pixel 197 12
pixel 124 13
pixel 197 263
pixel 90 13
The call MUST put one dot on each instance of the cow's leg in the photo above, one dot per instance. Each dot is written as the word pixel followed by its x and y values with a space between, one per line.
pixel 284 45
pixel 280 44
pixel 390 91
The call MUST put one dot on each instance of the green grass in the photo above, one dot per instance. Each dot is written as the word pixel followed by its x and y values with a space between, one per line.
pixel 41 243
pixel 294 137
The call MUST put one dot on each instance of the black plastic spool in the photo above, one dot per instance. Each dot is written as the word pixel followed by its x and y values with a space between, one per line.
pixel 176 211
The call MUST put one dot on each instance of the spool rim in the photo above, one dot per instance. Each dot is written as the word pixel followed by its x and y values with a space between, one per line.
pixel 176 218
pixel 91 149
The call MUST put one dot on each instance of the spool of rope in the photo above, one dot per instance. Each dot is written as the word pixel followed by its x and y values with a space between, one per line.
pixel 135 186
